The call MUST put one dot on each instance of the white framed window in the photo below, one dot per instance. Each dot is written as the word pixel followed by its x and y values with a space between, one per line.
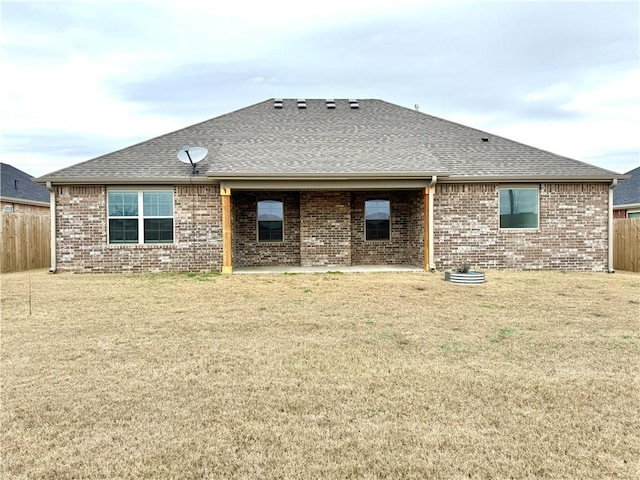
pixel 633 213
pixel 377 219
pixel 270 220
pixel 140 216
pixel 519 207
pixel 8 209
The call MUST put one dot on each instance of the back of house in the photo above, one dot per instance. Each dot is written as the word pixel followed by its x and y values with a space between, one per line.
pixel 331 183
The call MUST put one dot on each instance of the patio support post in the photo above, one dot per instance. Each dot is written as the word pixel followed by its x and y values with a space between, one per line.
pixel 429 193
pixel 426 237
pixel 227 261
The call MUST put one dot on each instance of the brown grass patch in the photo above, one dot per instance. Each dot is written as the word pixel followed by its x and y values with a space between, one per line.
pixel 533 374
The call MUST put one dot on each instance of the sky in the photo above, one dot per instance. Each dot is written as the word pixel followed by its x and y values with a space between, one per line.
pixel 85 78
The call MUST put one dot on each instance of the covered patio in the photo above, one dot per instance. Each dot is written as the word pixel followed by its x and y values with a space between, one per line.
pixel 287 227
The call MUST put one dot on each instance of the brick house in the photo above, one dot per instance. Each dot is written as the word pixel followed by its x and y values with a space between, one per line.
pixel 19 194
pixel 331 183
pixel 626 196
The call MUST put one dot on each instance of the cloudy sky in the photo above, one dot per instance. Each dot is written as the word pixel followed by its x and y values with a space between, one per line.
pixel 84 78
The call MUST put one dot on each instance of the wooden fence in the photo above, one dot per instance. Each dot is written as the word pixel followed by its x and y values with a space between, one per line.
pixel 626 244
pixel 25 242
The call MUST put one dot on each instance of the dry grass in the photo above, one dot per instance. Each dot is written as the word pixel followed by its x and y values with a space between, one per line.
pixel 531 375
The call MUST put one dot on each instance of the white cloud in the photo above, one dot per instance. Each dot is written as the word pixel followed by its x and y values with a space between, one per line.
pixel 72 96
pixel 607 119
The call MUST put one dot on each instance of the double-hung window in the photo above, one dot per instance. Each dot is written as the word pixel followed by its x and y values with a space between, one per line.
pixel 140 216
pixel 377 219
pixel 270 221
pixel 519 207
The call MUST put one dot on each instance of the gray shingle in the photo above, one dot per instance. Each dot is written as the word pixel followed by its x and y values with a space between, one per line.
pixel 378 137
pixel 17 184
pixel 627 192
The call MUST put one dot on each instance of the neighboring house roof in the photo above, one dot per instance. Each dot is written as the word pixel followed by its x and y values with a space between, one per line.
pixel 377 139
pixel 627 192
pixel 17 186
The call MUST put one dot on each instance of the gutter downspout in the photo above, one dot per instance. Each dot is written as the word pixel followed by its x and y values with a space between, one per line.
pixel 610 269
pixel 52 234
pixel 432 191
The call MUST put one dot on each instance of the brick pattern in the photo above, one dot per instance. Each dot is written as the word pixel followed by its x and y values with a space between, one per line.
pixel 415 232
pixel 81 234
pixel 325 228
pixel 622 213
pixel 572 233
pixel 247 251
pixel 404 233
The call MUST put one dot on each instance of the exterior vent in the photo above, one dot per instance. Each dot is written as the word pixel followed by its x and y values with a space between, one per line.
pixel 277 103
pixel 485 139
pixel 331 103
pixel 353 103
pixel 302 103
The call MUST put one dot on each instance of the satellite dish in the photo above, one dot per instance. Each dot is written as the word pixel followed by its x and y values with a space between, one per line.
pixel 192 155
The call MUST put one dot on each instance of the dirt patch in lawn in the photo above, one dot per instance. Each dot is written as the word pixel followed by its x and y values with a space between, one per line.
pixel 394 375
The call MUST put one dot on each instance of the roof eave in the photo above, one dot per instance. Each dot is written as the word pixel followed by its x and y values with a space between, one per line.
pixel 324 175
pixel 533 178
pixel 123 180
pixel 626 206
pixel 24 201
pixel 216 177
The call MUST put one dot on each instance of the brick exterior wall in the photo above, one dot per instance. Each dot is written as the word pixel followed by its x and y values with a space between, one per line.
pixel 572 233
pixel 405 234
pixel 622 213
pixel 325 228
pixel 81 234
pixel 415 233
pixel 26 209
pixel 247 251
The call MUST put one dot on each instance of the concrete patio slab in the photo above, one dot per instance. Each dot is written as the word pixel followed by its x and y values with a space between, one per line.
pixel 335 268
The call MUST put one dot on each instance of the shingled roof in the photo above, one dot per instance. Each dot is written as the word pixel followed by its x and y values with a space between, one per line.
pixel 17 186
pixel 376 139
pixel 627 192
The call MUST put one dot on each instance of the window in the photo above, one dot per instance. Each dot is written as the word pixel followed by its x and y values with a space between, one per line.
pixel 519 207
pixel 144 216
pixel 633 214
pixel 377 219
pixel 270 221
pixel 8 209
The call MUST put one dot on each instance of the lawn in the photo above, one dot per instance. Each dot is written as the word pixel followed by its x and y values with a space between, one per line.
pixel 332 376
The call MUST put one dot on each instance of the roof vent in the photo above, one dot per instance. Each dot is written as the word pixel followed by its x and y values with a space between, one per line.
pixel 277 103
pixel 331 103
pixel 353 103
pixel 302 103
pixel 485 139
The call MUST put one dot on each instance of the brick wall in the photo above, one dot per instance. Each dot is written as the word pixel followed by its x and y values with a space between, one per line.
pixel 325 228
pixel 81 234
pixel 572 231
pixel 622 213
pixel 247 251
pixel 404 232
pixel 415 233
